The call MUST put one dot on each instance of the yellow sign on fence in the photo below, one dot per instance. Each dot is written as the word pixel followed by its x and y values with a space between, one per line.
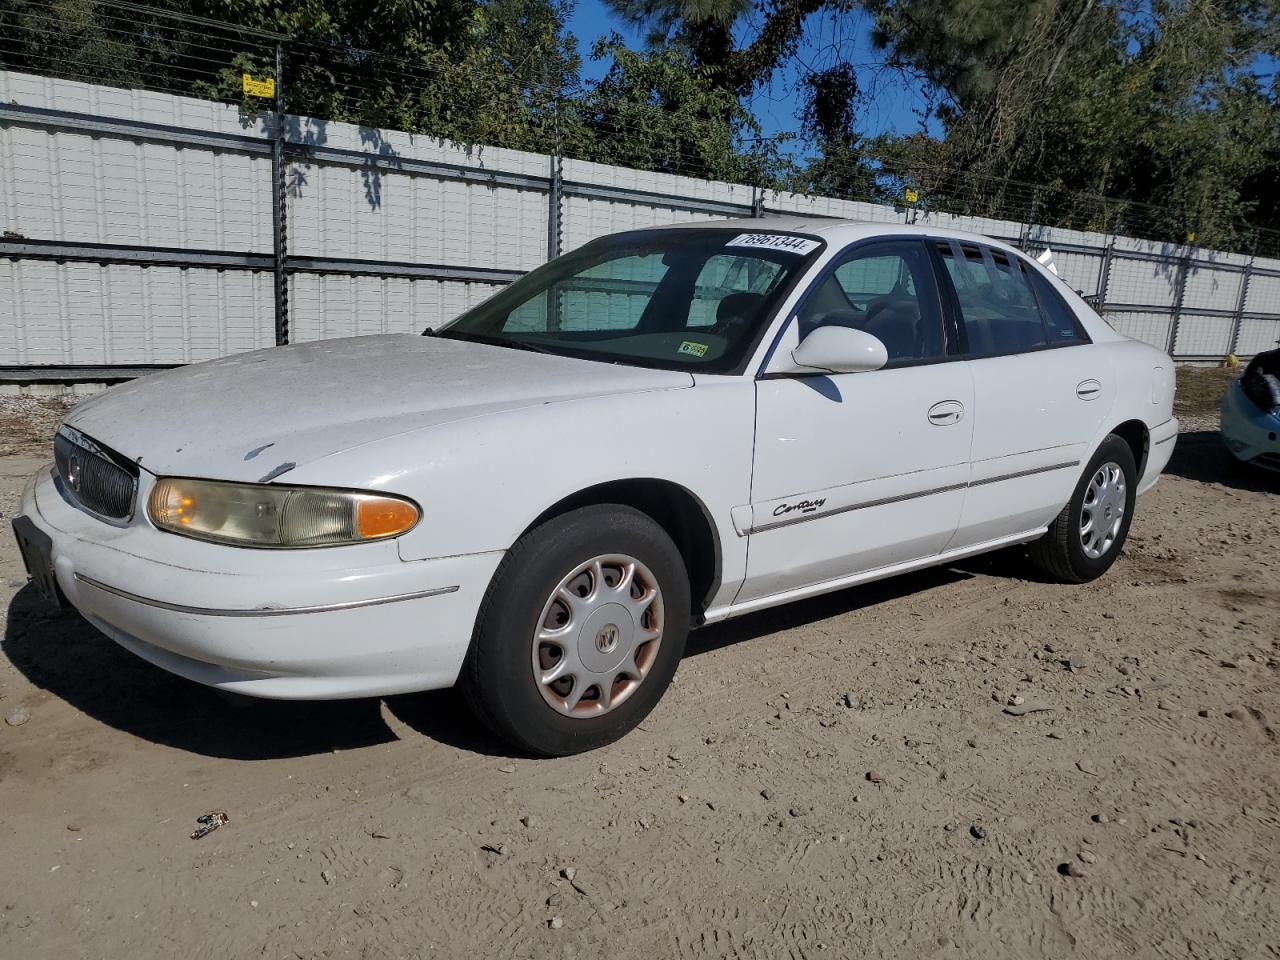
pixel 911 195
pixel 259 88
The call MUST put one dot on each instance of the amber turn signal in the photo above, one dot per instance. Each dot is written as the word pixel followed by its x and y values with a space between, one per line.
pixel 384 517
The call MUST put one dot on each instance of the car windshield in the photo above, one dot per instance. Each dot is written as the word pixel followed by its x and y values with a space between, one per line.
pixel 676 299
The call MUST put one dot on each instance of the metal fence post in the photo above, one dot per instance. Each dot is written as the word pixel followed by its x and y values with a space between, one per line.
pixel 1184 267
pixel 1104 274
pixel 1241 302
pixel 757 179
pixel 1028 224
pixel 279 212
pixel 555 215
pixel 555 183
pixel 555 200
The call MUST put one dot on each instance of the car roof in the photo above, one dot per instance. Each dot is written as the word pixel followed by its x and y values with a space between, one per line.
pixel 838 232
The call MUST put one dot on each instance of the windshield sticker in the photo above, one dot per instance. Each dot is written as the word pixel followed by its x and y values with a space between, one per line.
pixel 693 348
pixel 774 241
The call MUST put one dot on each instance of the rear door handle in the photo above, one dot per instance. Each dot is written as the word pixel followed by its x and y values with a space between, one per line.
pixel 1088 389
pixel 946 412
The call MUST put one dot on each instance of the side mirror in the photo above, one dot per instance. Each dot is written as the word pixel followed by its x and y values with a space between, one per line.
pixel 840 350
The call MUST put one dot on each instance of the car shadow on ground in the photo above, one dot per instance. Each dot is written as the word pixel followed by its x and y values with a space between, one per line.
pixel 1201 456
pixel 66 656
pixel 816 609
pixel 1011 563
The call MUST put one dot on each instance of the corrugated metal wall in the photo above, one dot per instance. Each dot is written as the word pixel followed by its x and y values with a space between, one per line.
pixel 392 232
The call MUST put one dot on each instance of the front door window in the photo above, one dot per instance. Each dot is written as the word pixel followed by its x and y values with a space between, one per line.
pixel 886 290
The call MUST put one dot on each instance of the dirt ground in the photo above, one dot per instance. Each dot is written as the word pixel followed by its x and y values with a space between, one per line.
pixel 832 779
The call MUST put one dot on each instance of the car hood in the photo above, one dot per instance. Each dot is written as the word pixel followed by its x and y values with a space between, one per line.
pixel 257 415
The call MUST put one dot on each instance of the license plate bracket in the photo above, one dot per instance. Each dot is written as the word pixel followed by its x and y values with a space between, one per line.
pixel 37 555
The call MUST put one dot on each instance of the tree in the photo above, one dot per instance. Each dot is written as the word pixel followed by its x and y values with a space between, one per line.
pixel 658 110
pixel 1155 103
pixel 473 71
pixel 840 167
pixel 706 29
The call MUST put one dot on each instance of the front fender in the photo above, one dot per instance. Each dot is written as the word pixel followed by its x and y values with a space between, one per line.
pixel 482 482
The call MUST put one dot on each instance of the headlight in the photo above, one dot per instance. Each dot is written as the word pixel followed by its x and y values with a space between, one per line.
pixel 267 515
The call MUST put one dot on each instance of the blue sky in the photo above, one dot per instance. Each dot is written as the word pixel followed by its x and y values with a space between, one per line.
pixel 893 104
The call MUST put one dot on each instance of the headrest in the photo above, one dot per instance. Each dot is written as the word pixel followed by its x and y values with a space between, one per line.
pixel 742 306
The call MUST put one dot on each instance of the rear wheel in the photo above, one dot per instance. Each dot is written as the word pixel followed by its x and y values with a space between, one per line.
pixel 1086 537
pixel 580 632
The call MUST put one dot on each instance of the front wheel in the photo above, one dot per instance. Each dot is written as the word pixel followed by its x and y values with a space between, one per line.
pixel 580 632
pixel 1085 538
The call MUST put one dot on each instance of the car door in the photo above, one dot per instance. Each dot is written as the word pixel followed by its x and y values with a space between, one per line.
pixel 858 471
pixel 1041 390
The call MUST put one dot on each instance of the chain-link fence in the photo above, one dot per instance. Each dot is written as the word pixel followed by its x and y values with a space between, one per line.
pixel 158 164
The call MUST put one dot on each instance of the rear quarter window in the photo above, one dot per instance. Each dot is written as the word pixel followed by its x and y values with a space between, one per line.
pixel 1060 321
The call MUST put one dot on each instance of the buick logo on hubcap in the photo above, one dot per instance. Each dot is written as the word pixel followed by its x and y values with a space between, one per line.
pixel 607 639
pixel 73 472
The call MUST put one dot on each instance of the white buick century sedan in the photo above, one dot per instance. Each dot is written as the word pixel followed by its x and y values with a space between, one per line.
pixel 661 429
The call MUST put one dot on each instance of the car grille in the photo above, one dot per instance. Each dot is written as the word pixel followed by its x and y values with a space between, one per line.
pixel 1270 461
pixel 94 476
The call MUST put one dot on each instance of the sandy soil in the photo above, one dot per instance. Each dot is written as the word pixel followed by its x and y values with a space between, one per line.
pixel 832 779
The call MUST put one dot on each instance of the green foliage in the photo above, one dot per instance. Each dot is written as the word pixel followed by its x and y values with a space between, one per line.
pixel 1151 103
pixel 487 72
pixel 81 40
pixel 66 38
pixel 707 29
pixel 657 110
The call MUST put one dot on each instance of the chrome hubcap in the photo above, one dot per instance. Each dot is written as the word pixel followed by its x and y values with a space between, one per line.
pixel 598 636
pixel 1103 510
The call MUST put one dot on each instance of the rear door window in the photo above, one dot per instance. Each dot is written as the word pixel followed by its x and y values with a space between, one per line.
pixel 999 312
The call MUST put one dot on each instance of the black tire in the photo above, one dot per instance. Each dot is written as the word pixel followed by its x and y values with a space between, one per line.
pixel 1060 553
pixel 497 677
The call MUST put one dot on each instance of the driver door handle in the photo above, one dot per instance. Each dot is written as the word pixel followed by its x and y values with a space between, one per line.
pixel 946 412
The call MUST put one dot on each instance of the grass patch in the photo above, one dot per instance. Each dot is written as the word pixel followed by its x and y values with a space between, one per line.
pixel 1200 390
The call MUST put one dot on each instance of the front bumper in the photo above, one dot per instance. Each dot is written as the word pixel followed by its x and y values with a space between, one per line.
pixel 288 624
pixel 1252 435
